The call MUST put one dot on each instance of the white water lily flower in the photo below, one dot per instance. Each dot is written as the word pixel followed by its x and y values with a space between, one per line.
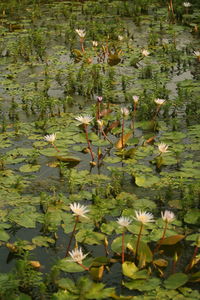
pixel 81 32
pixel 159 101
pixel 124 221
pixel 50 138
pixel 145 52
pixel 95 43
pixel 77 256
pixel 84 119
pixel 135 99
pixel 162 147
pixel 197 53
pixel 187 4
pixel 168 216
pixel 79 210
pixel 143 217
pixel 99 98
pixel 165 41
pixel 120 37
pixel 124 111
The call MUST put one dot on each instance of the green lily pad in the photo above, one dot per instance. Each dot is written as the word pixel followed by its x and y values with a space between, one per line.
pixel 146 180
pixel 29 168
pixel 176 280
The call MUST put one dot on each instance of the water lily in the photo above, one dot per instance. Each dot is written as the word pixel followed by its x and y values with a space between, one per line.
pixel 124 221
pixel 162 147
pixel 100 124
pixel 145 52
pixel 125 111
pixel 81 32
pixel 135 99
pixel 143 217
pixel 197 54
pixel 50 138
pixel 77 255
pixel 168 216
pixel 94 43
pixel 99 98
pixel 120 37
pixel 187 4
pixel 84 119
pixel 159 101
pixel 79 210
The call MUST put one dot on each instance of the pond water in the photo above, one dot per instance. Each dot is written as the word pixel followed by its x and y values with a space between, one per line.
pixel 56 59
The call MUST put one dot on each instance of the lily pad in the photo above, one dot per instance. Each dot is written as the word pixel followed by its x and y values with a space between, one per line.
pixel 29 168
pixel 176 280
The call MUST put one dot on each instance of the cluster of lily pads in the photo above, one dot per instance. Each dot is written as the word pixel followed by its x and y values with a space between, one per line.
pixel 113 88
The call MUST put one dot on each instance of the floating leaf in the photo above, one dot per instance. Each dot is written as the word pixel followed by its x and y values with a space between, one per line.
pixel 89 237
pixel 72 159
pixel 42 241
pixel 192 216
pixel 160 262
pixel 143 250
pixel 146 180
pixel 96 272
pixel 172 240
pixel 29 168
pixel 143 285
pixel 129 268
pixel 116 245
pixel 4 236
pixel 176 280
pixel 113 59
pixel 69 266
pixel 23 297
pixel 126 137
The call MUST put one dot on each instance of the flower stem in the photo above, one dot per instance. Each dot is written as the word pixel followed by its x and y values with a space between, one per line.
pixel 133 119
pixel 156 113
pixel 122 138
pixel 55 147
pixel 82 44
pixel 162 238
pixel 171 9
pixel 98 111
pixel 138 240
pixel 72 235
pixel 123 235
pixel 88 141
pixel 84 267
pixel 105 136
pixel 189 267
